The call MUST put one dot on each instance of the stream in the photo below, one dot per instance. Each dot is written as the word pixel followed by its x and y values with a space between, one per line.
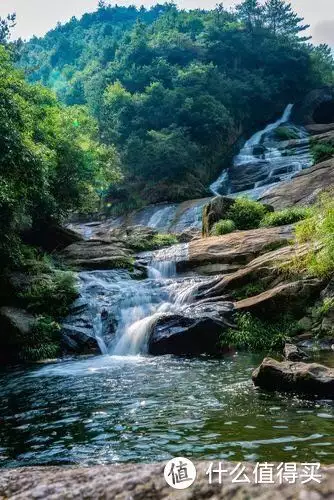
pixel 125 405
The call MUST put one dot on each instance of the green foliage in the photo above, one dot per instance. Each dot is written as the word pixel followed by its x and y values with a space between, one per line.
pixel 153 242
pixel 318 231
pixel 249 290
pixel 321 151
pixel 43 341
pixel 285 133
pixel 51 161
pixel 286 216
pixel 51 294
pixel 246 213
pixel 223 226
pixel 172 88
pixel 254 334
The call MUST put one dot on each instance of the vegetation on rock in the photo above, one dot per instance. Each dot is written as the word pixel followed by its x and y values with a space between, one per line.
pixel 321 150
pixel 224 226
pixel 286 216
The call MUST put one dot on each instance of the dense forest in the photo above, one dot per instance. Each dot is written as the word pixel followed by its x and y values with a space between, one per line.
pixel 173 90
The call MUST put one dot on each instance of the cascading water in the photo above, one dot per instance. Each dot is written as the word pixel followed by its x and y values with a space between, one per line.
pixel 265 160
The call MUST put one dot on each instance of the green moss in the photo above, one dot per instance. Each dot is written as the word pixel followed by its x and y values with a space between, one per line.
pixel 51 294
pixel 223 226
pixel 153 242
pixel 246 213
pixel 286 216
pixel 285 133
pixel 255 335
pixel 321 151
pixel 249 290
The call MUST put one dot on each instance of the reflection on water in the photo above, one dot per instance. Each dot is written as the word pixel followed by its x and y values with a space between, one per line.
pixel 113 408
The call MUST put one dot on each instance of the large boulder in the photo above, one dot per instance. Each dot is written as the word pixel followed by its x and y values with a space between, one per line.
pixel 51 236
pixel 213 211
pixel 197 330
pixel 78 340
pixel 287 297
pixel 305 378
pixel 316 107
pixel 303 189
pixel 239 247
pixel 98 254
pixel 15 326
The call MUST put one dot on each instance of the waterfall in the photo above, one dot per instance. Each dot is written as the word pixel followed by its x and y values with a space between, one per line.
pixel 265 160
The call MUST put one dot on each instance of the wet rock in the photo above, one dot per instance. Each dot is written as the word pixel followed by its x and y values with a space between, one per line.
pixel 78 340
pixel 292 352
pixel 303 189
pixel 305 378
pixel 97 254
pixel 213 211
pixel 195 332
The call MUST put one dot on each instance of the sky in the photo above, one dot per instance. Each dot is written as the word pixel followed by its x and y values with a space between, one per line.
pixel 36 17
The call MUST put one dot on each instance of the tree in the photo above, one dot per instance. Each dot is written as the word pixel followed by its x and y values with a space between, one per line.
pixel 282 20
pixel 250 12
pixel 5 26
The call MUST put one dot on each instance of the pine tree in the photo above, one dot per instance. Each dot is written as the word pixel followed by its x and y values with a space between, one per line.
pixel 282 20
pixel 250 12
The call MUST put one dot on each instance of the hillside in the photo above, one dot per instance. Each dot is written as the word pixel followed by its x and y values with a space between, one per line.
pixel 174 90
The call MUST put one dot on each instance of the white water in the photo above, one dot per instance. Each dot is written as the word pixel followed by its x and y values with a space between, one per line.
pixel 265 161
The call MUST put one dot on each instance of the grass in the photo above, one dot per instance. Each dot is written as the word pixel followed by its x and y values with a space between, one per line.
pixel 285 133
pixel 223 226
pixel 153 242
pixel 43 341
pixel 253 334
pixel 286 216
pixel 321 151
pixel 318 230
pixel 249 290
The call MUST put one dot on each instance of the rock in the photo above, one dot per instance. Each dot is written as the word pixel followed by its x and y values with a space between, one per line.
pixel 51 237
pixel 305 323
pixel 293 353
pixel 214 211
pixel 288 297
pixel 196 331
pixel 305 378
pixel 303 189
pixel 146 482
pixel 76 340
pixel 15 325
pixel 97 254
pixel 237 248
pixel 316 107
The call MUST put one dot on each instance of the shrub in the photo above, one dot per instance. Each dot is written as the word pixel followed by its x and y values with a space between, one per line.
pixel 286 133
pixel 321 151
pixel 51 294
pixel 249 290
pixel 287 216
pixel 246 213
pixel 254 334
pixel 43 341
pixel 153 243
pixel 223 226
pixel 319 231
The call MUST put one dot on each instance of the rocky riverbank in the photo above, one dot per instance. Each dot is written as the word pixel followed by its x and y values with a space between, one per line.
pixel 142 482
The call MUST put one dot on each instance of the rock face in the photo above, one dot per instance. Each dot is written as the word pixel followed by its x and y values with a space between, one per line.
pixel 239 247
pixel 146 482
pixel 195 332
pixel 303 189
pixel 316 107
pixel 98 254
pixel 305 378
pixel 293 353
pixel 214 211
pixel 288 297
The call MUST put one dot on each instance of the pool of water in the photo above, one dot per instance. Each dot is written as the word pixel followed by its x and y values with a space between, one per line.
pixel 140 408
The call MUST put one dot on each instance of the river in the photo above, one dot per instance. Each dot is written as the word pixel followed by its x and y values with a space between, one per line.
pixel 125 405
